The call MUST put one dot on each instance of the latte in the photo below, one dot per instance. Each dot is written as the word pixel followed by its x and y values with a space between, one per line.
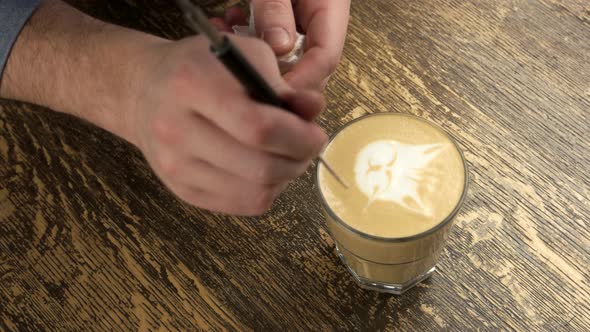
pixel 406 180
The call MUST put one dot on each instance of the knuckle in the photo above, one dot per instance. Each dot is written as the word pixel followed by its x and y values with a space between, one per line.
pixel 164 131
pixel 260 131
pixel 203 200
pixel 190 196
pixel 168 166
pixel 200 199
pixel 265 174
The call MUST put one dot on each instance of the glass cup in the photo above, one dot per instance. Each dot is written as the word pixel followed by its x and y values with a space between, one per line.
pixel 389 264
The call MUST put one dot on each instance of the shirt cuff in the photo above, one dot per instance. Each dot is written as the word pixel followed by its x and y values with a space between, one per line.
pixel 13 16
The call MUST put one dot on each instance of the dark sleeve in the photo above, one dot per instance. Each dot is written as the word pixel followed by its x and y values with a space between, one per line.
pixel 13 16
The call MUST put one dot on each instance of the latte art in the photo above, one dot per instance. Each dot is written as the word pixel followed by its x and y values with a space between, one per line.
pixel 407 179
pixel 405 175
pixel 388 170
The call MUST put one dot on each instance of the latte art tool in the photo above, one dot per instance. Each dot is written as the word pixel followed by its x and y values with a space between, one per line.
pixel 234 61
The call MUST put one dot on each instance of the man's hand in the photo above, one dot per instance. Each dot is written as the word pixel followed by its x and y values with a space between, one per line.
pixel 324 23
pixel 205 138
pixel 209 142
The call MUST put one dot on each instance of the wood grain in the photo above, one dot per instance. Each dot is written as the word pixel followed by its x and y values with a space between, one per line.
pixel 90 240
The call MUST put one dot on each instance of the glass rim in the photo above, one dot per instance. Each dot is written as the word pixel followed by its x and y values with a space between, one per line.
pixel 423 234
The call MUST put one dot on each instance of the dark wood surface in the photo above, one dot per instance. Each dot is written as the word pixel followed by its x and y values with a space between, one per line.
pixel 90 240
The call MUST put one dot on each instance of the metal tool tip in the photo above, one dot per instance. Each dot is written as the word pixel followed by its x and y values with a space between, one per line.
pixel 334 174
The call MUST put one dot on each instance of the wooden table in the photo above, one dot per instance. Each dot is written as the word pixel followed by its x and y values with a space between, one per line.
pixel 89 239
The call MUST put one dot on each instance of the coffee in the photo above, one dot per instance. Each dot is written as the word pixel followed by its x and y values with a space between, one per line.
pixel 406 181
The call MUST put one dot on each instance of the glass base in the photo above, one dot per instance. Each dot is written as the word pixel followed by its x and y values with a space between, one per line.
pixel 397 289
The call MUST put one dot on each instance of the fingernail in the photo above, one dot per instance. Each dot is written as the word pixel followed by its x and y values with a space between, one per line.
pixel 276 37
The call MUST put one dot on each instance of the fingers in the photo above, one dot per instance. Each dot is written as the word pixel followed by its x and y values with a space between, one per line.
pixel 300 103
pixel 325 24
pixel 205 185
pixel 207 168
pixel 257 203
pixel 267 128
pixel 261 127
pixel 312 71
pixel 210 143
pixel 275 23
pixel 194 137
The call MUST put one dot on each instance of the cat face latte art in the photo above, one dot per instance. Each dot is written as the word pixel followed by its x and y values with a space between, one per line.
pixel 409 181
pixel 399 173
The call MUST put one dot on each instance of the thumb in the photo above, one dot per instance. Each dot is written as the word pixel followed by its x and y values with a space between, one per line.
pixel 275 23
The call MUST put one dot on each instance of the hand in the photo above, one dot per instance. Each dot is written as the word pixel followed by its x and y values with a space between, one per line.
pixel 209 142
pixel 324 23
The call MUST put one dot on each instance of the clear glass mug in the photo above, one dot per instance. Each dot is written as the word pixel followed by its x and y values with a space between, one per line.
pixel 390 265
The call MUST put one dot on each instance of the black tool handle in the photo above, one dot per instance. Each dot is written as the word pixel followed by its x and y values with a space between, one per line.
pixel 257 87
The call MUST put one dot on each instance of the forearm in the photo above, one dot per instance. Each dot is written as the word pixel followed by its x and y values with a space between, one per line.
pixel 72 63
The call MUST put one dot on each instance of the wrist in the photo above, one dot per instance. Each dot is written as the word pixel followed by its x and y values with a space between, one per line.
pixel 132 56
pixel 73 63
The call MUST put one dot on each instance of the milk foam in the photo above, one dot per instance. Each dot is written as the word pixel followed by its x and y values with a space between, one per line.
pixel 388 170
